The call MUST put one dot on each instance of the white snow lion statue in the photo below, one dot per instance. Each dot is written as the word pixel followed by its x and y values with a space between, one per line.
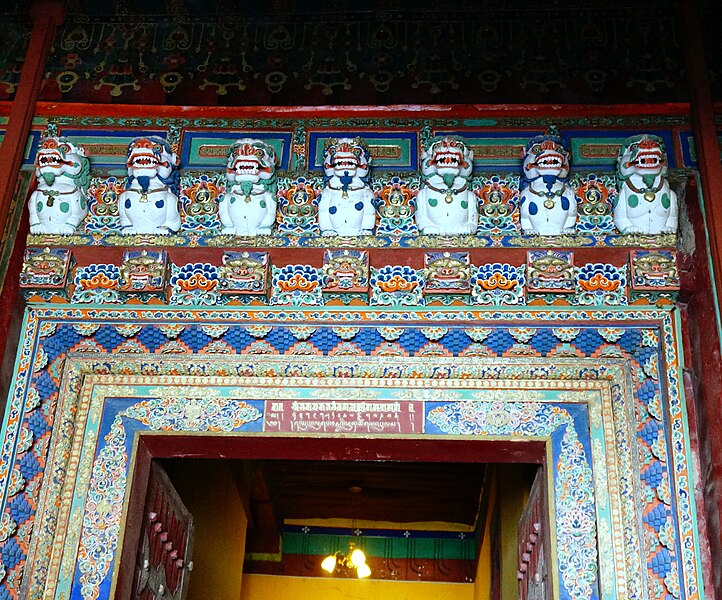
pixel 346 205
pixel 249 205
pixel 548 205
pixel 645 204
pixel 59 205
pixel 149 203
pixel 445 204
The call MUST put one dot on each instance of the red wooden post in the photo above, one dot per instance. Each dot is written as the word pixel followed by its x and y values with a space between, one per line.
pixel 46 16
pixel 704 338
pixel 705 134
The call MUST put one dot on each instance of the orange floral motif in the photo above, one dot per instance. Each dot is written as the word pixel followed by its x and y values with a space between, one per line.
pixel 497 282
pixel 104 195
pixel 396 201
pixel 99 280
pixel 594 198
pixel 297 282
pixel 197 281
pixel 397 284
pixel 599 282
pixel 202 195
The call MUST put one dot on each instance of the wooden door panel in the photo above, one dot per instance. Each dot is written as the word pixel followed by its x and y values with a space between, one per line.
pixel 166 542
pixel 533 542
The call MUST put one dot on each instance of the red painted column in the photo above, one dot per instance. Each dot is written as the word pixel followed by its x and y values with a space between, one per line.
pixel 46 15
pixel 703 361
pixel 705 134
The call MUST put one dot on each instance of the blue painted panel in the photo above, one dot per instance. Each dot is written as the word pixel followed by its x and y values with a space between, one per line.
pixel 493 149
pixel 108 149
pixel 689 150
pixel 394 150
pixel 208 149
pixel 689 153
pixel 590 149
pixel 30 149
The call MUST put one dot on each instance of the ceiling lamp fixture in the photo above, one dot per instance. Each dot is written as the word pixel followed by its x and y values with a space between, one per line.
pixel 355 559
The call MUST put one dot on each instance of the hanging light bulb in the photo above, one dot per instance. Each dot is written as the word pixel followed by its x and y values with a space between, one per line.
pixel 329 563
pixel 363 571
pixel 358 558
pixel 354 558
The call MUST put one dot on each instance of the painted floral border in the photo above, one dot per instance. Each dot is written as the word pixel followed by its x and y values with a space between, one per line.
pixel 660 371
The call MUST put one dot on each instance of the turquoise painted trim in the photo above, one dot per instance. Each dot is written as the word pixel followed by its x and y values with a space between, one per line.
pixel 710 264
pixel 481 122
pixel 608 589
pixel 677 324
pixel 8 408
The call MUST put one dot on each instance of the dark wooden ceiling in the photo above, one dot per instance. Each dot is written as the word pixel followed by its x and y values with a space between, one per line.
pixel 274 8
pixel 382 52
pixel 399 492
pixel 362 493
pixel 354 493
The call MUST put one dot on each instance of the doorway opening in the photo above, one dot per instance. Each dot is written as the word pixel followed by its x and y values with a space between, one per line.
pixel 468 519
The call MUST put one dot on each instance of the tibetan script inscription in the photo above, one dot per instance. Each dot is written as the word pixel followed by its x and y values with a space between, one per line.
pixel 338 416
pixel 488 151
pixel 393 152
pixel 599 150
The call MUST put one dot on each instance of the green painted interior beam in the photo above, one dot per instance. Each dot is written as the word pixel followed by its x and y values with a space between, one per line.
pixel 452 549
